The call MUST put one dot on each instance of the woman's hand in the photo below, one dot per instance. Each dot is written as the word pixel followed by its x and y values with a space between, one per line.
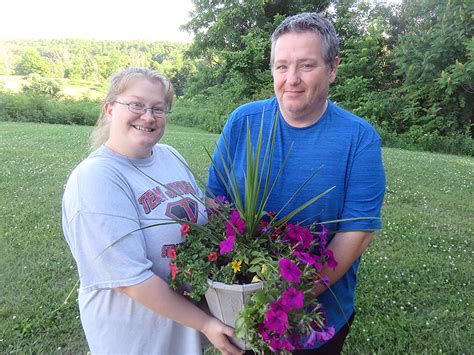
pixel 155 294
pixel 217 333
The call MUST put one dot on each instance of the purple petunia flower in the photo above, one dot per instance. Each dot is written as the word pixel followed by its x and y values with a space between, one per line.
pixel 279 305
pixel 332 263
pixel 229 229
pixel 278 344
pixel 227 245
pixel 293 298
pixel 325 335
pixel 289 271
pixel 305 257
pixel 299 236
pixel 237 221
pixel 224 200
pixel 323 235
pixel 276 321
pixel 311 339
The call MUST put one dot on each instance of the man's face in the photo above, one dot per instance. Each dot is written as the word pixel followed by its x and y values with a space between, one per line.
pixel 301 78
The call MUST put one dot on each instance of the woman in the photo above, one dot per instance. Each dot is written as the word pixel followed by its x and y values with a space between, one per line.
pixel 127 183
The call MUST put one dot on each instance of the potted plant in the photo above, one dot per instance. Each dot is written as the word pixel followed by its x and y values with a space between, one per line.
pixel 273 264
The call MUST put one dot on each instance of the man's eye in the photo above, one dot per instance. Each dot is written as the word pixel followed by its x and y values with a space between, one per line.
pixel 307 66
pixel 281 67
pixel 137 105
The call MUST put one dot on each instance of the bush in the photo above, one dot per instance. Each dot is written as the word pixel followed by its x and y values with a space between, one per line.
pixel 37 85
pixel 433 142
pixel 41 108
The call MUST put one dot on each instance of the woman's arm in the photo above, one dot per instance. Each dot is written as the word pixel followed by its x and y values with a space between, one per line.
pixel 155 294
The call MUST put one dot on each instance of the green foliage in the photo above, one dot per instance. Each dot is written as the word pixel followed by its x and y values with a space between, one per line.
pixel 435 60
pixel 90 60
pixel 37 85
pixel 41 108
pixel 32 62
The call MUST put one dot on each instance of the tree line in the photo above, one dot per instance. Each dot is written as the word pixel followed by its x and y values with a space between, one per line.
pixel 407 68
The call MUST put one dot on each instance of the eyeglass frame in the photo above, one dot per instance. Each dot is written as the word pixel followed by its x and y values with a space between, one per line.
pixel 144 109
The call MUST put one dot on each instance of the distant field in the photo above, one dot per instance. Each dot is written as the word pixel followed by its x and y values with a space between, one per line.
pixel 70 88
pixel 415 293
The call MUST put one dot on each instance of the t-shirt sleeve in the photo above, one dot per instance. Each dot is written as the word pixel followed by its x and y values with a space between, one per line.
pixel 365 187
pixel 102 229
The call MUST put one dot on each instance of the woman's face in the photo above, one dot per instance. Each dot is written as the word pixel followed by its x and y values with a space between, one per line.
pixel 134 134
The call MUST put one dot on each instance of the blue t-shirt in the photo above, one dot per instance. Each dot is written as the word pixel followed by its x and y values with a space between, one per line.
pixel 343 151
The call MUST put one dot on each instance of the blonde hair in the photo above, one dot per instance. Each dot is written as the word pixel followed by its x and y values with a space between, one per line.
pixel 118 84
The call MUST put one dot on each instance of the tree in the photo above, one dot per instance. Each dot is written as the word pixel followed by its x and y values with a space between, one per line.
pixel 234 37
pixel 37 85
pixel 32 62
pixel 435 62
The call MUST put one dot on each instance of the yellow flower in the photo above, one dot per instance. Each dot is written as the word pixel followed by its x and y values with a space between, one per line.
pixel 236 265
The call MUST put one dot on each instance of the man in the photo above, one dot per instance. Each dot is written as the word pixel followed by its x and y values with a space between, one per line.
pixel 343 151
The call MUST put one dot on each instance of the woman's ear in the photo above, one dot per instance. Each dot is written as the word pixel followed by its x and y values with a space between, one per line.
pixel 108 107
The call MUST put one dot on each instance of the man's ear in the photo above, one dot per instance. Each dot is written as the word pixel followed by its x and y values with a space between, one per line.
pixel 333 69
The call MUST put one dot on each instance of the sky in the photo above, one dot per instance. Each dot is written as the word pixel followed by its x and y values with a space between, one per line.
pixel 152 20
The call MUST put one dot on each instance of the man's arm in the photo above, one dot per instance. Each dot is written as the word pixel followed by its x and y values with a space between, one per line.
pixel 347 247
pixel 155 294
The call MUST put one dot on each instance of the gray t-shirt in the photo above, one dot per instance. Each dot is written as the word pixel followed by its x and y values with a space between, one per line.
pixel 107 200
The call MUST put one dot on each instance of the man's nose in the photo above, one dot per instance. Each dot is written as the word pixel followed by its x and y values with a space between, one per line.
pixel 293 77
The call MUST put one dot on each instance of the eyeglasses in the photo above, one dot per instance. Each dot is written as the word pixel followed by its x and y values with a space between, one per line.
pixel 140 108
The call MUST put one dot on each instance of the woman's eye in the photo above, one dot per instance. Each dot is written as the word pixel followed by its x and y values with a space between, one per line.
pixel 158 110
pixel 137 105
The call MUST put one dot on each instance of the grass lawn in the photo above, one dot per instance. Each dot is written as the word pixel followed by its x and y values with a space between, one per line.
pixel 415 292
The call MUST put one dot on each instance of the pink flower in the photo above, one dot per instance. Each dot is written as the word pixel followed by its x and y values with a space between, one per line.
pixel 171 253
pixel 276 321
pixel 293 298
pixel 174 270
pixel 185 228
pixel 289 271
pixel 227 245
pixel 212 256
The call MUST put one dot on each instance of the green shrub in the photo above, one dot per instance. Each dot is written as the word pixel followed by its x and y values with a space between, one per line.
pixel 433 142
pixel 45 109
pixel 37 85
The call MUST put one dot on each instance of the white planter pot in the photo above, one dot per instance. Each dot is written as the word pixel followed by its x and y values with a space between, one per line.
pixel 225 302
